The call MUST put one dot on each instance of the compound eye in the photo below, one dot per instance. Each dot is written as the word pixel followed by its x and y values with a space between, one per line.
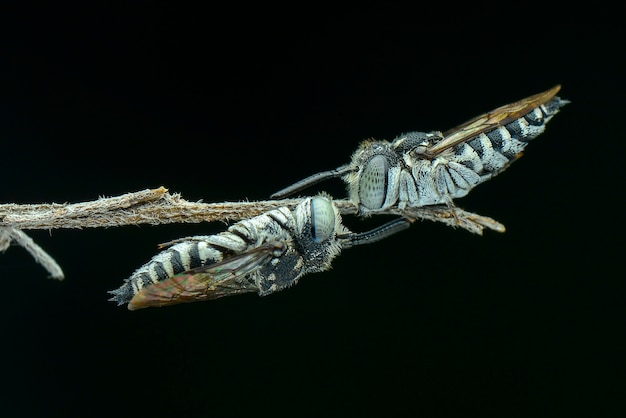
pixel 373 182
pixel 322 219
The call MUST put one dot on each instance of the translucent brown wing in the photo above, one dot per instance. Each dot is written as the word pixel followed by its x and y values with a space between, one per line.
pixel 489 121
pixel 212 281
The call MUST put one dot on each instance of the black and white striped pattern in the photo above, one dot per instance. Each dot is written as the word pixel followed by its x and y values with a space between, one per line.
pixel 491 152
pixel 412 179
pixel 189 253
pixel 307 237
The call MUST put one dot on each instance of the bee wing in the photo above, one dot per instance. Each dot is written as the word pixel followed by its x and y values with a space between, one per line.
pixel 208 282
pixel 489 121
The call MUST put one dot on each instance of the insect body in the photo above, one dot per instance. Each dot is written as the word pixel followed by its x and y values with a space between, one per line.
pixel 419 169
pixel 263 254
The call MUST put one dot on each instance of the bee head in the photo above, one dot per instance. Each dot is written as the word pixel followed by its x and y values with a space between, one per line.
pixel 318 222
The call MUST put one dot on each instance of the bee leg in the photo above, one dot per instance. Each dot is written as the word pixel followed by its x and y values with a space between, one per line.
pixel 453 210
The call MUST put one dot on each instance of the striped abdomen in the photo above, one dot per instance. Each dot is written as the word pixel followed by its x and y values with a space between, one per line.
pixel 198 251
pixel 453 174
pixel 491 152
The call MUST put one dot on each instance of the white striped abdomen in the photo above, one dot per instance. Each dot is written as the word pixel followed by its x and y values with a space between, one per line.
pixel 197 251
pixel 414 180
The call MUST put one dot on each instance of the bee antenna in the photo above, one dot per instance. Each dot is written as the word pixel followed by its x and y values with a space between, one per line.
pixel 374 235
pixel 311 180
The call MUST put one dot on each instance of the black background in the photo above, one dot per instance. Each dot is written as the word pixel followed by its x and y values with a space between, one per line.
pixel 233 103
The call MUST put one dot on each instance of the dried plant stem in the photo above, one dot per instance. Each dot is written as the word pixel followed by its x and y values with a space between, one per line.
pixel 8 234
pixel 158 206
pixel 152 206
pixel 451 216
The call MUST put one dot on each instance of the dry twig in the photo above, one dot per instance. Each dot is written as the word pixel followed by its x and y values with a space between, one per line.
pixel 158 206
pixel 8 234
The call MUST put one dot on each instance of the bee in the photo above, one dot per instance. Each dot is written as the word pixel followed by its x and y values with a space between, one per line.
pixel 431 168
pixel 263 254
